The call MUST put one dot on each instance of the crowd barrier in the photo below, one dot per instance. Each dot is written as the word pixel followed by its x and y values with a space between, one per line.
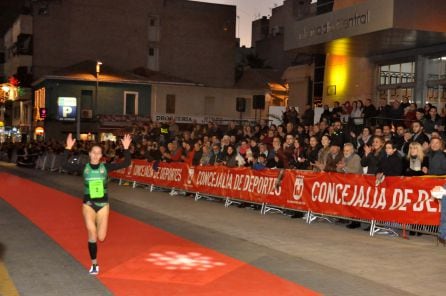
pixel 397 203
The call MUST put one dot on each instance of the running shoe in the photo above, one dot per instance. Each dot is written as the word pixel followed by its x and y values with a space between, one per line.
pixel 94 269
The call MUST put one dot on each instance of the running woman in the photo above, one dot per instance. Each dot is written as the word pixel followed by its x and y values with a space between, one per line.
pixel 95 208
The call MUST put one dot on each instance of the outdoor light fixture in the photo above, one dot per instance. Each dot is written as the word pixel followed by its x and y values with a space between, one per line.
pixel 98 67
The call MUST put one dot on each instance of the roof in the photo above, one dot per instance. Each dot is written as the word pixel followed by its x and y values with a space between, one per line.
pixel 259 78
pixel 86 71
pixel 157 76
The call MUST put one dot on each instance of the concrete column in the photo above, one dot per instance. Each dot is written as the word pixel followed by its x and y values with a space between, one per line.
pixel 420 91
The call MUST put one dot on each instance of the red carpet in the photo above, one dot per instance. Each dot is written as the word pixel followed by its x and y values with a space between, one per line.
pixel 136 258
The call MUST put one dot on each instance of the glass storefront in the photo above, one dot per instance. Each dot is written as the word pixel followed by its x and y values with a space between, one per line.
pixel 397 82
pixel 436 82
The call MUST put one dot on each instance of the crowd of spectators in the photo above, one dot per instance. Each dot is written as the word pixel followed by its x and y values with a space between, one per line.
pixel 388 140
pixel 391 140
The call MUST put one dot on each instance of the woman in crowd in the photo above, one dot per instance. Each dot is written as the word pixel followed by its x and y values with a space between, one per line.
pixel 415 160
pixel 312 153
pixel 365 138
pixel 322 154
pixel 357 115
pixel 297 158
pixel 373 155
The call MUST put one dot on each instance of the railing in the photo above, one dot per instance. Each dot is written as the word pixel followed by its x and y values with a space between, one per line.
pixel 400 204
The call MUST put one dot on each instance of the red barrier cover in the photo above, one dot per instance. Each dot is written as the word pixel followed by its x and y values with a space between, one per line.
pixel 398 199
pixel 172 175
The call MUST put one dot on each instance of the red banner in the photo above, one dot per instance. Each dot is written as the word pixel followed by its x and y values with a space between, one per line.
pixel 398 199
pixel 172 175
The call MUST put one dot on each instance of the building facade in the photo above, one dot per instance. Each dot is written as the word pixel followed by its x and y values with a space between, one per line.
pixel 359 49
pixel 191 41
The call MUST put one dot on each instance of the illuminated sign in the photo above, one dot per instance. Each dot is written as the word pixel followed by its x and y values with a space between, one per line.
pixel 67 107
pixel 39 131
pixel 42 113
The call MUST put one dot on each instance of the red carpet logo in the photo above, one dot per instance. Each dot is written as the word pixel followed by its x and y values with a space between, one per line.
pixel 188 261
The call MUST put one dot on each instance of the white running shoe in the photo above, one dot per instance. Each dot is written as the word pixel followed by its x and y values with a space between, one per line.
pixel 94 269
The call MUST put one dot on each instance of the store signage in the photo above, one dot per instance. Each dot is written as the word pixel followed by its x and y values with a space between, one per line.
pixel 39 130
pixel 192 119
pixel 67 107
pixel 42 113
pixel 355 20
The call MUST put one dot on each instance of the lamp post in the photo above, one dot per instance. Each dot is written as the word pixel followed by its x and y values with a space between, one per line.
pixel 98 71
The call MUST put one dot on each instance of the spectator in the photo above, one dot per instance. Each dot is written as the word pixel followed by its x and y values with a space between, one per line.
pixel 365 138
pixel 279 161
pixel 391 164
pixel 216 156
pixel 322 154
pixel 398 137
pixel 418 133
pixel 373 155
pixel 415 160
pixel 383 112
pixel 175 152
pixel 206 155
pixel 336 112
pixel 437 158
pixel 410 115
pixel 338 136
pixel 311 153
pixel 326 114
pixel 432 122
pixel 245 152
pixel 308 116
pixel 357 116
pixel 232 158
pixel 387 132
pixel 297 158
pixel 197 154
pixel 351 162
pixel 260 163
pixel 333 158
pixel 369 112
pixel 396 112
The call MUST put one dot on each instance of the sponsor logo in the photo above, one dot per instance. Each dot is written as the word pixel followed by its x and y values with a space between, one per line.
pixel 298 187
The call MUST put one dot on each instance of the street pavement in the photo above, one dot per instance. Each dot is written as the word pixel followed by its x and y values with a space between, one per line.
pixel 324 257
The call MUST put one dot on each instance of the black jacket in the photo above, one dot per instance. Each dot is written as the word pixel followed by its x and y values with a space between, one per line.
pixel 391 165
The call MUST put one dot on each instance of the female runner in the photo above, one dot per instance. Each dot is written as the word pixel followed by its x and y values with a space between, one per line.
pixel 95 208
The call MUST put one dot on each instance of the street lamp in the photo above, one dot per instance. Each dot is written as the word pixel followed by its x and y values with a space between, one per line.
pixel 98 71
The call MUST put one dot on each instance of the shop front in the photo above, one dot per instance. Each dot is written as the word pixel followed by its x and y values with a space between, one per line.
pixel 392 49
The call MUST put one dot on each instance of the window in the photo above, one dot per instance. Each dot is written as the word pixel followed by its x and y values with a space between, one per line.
pixel 170 104
pixel 130 103
pixel 152 59
pixel 153 28
pixel 153 21
pixel 397 73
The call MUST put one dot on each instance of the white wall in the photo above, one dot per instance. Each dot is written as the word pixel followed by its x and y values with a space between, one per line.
pixel 190 100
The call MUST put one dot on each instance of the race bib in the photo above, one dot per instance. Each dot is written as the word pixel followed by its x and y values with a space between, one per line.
pixel 96 188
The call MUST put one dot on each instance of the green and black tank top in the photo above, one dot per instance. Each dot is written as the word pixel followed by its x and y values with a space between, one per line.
pixel 95 183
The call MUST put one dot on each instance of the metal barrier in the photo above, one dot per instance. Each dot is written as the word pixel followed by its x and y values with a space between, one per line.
pixel 376 227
